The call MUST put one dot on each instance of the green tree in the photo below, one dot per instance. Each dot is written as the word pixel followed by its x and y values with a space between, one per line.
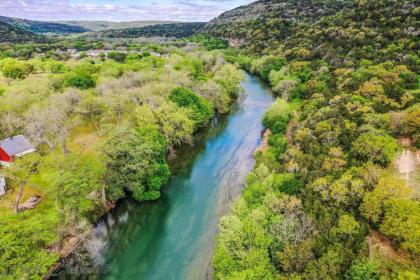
pixel 201 109
pixel 79 79
pixel 380 149
pixel 135 162
pixel 401 221
pixel 362 270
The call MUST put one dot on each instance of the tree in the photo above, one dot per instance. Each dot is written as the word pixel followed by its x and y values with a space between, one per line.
pixel 362 270
pixel 117 56
pixel 20 173
pixel 16 70
pixel 173 122
pixel 380 149
pixel 201 109
pixel 79 79
pixel 386 189
pixel 277 116
pixel 401 221
pixel 135 162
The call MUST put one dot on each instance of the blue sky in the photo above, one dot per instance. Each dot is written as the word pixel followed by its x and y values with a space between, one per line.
pixel 118 10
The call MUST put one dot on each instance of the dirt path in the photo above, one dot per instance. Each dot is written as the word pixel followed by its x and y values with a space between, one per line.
pixel 407 165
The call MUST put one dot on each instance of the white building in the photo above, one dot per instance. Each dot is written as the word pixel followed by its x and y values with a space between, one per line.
pixel 2 185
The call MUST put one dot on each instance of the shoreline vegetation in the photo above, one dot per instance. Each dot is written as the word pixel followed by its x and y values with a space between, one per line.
pixel 324 201
pixel 103 128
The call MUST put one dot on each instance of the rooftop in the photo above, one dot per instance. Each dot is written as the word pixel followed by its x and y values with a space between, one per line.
pixel 16 145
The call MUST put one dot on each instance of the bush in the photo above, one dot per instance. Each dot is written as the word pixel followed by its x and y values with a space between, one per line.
pixel 117 56
pixel 277 116
pixel 136 162
pixel 202 111
pixel 79 79
pixel 266 64
pixel 380 149
pixel 287 183
pixel 17 70
pixel 361 270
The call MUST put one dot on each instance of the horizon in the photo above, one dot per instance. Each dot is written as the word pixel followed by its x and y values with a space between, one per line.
pixel 118 11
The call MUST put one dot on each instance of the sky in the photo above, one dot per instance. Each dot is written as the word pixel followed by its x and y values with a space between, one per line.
pixel 118 10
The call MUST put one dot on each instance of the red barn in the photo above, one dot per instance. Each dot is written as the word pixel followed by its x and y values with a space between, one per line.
pixel 16 146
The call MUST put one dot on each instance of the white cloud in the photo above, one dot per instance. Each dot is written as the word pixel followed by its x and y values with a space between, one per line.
pixel 183 10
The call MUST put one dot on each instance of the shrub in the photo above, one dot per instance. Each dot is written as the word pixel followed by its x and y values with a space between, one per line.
pixel 136 163
pixel 202 111
pixel 17 70
pixel 277 116
pixel 287 183
pixel 361 270
pixel 380 149
pixel 117 56
pixel 79 79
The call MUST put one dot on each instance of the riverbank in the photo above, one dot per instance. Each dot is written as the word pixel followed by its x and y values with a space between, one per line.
pixel 173 238
pixel 106 128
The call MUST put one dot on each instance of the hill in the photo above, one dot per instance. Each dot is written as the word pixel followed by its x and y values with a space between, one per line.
pixel 266 21
pixel 331 29
pixel 110 25
pixel 11 34
pixel 325 200
pixel 175 30
pixel 41 27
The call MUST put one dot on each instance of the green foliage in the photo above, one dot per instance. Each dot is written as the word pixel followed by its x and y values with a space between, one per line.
pixel 79 79
pixel 374 202
pixel 117 56
pixel 266 64
pixel 202 111
pixel 401 221
pixel 380 149
pixel 177 30
pixel 287 183
pixel 362 270
pixel 356 72
pixel 277 116
pixel 21 236
pixel 15 69
pixel 95 146
pixel 209 42
pixel 136 163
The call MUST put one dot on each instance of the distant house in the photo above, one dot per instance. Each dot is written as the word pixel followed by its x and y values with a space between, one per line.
pixel 16 146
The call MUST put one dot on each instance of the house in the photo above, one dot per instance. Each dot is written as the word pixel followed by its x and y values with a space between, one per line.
pixel 2 185
pixel 16 146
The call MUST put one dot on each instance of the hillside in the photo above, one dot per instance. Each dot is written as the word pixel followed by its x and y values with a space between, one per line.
pixel 11 34
pixel 324 201
pixel 325 27
pixel 174 30
pixel 42 26
pixel 110 25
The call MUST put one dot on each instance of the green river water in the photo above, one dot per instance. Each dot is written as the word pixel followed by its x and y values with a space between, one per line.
pixel 174 237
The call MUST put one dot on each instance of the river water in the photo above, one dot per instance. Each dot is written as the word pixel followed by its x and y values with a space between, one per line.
pixel 173 238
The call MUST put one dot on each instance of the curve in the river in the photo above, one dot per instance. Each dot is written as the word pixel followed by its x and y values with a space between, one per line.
pixel 173 238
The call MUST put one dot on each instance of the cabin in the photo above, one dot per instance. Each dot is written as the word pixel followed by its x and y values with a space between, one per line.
pixel 13 147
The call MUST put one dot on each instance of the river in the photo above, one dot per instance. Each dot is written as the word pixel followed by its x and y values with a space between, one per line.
pixel 173 238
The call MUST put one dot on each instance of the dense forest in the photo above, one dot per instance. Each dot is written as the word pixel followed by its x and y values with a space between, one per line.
pixel 174 30
pixel 103 128
pixel 324 201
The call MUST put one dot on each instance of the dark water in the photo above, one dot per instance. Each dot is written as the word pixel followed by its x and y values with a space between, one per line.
pixel 173 238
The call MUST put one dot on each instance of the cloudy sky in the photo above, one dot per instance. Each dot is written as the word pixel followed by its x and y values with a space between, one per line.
pixel 118 10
